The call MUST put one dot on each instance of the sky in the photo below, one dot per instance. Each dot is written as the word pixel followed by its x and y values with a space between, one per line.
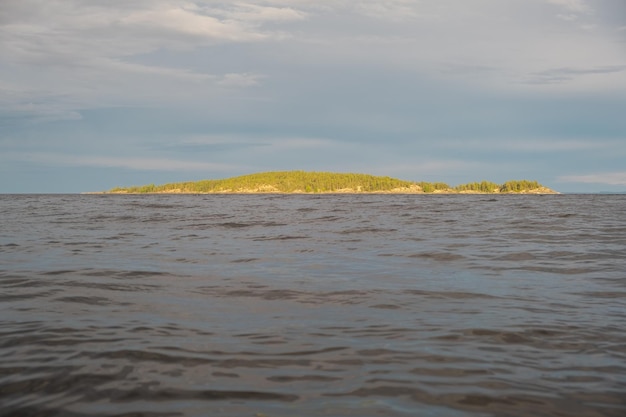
pixel 96 94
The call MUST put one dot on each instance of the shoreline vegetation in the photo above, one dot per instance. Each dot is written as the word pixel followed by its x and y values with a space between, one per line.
pixel 303 182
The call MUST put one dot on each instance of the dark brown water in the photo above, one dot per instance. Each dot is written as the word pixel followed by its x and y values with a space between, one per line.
pixel 331 305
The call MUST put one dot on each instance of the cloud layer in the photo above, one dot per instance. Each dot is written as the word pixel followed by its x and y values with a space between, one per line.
pixel 455 91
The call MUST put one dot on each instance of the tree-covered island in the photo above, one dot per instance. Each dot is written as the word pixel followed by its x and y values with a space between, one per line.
pixel 302 182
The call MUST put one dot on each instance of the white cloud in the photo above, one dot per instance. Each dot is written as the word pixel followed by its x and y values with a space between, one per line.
pixel 532 145
pixel 190 22
pixel 303 143
pixel 560 75
pixel 567 17
pixel 72 33
pixel 578 6
pixel 240 80
pixel 256 13
pixel 272 144
pixel 81 54
pixel 438 167
pixel 115 32
pixel 133 163
pixel 134 68
pixel 41 113
pixel 390 9
pixel 608 178
pixel 33 106
pixel 97 40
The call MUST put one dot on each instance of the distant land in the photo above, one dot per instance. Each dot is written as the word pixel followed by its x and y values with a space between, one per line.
pixel 302 182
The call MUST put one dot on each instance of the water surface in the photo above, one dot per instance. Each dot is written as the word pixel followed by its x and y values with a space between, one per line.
pixel 312 305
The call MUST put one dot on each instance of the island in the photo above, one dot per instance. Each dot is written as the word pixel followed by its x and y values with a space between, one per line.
pixel 303 182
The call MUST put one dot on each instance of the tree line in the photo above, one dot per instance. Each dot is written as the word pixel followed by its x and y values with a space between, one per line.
pixel 324 182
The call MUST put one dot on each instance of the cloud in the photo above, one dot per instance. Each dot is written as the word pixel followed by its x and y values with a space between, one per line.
pixel 36 113
pixel 391 9
pixel 303 143
pixel 189 22
pixel 79 35
pixel 240 80
pixel 578 6
pixel 607 178
pixel 355 84
pixel 132 163
pixel 32 106
pixel 426 168
pixel 79 55
pixel 532 145
pixel 82 43
pixel 256 13
pixel 245 144
pixel 560 75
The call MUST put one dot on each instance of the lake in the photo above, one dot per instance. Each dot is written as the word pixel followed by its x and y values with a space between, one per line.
pixel 313 305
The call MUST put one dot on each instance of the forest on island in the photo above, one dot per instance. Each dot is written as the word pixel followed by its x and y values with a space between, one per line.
pixel 327 182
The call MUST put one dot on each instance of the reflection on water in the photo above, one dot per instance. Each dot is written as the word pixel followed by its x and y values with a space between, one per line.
pixel 339 305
